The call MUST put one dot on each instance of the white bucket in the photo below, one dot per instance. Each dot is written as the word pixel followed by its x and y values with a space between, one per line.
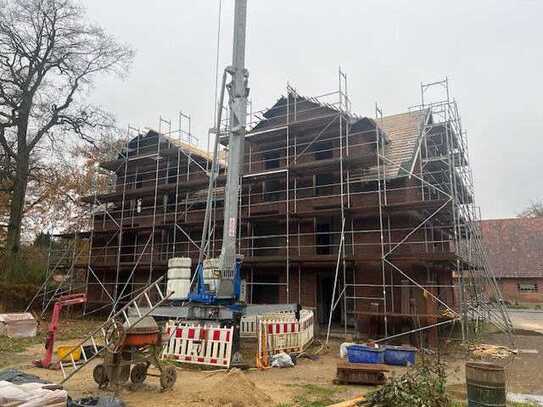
pixel 180 262
pixel 180 287
pixel 179 273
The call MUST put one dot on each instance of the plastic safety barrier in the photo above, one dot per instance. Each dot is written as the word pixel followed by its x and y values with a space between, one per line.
pixel 276 336
pixel 249 324
pixel 307 329
pixel 200 345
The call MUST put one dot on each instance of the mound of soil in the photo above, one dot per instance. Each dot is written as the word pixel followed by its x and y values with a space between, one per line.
pixel 235 389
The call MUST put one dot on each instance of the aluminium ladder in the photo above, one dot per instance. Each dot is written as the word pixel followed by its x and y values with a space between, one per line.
pixel 111 332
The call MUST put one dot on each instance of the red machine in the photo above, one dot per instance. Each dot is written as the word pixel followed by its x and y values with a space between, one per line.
pixel 62 301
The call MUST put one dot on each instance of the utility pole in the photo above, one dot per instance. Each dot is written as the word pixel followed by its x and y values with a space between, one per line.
pixel 238 93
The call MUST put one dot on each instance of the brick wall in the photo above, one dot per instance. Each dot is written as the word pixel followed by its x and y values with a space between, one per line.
pixel 510 290
pixel 306 297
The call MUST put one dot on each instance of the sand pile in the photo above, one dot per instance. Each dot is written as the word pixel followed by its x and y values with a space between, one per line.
pixel 235 389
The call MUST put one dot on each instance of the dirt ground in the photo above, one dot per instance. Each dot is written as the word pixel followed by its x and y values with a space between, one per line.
pixel 531 320
pixel 309 383
pixel 523 371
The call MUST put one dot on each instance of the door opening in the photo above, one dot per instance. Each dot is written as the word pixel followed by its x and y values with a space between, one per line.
pixel 325 286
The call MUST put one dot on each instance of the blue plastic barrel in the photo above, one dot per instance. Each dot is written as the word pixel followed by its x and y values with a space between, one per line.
pixel 364 354
pixel 400 355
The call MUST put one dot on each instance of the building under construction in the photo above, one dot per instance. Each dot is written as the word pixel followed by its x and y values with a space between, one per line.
pixel 371 221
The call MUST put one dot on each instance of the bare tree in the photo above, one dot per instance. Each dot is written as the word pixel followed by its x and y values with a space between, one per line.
pixel 49 57
pixel 534 210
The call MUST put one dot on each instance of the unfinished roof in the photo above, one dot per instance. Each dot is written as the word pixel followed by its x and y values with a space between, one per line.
pixel 145 146
pixel 301 110
pixel 515 246
pixel 175 141
pixel 403 131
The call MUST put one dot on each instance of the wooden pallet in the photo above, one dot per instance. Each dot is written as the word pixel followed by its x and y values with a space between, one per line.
pixel 360 373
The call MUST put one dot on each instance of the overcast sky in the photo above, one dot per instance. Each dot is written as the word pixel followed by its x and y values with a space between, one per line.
pixel 491 52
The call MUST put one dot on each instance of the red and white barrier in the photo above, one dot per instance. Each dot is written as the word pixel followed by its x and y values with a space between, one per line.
pixel 249 324
pixel 281 336
pixel 211 345
pixel 248 327
pixel 307 329
pixel 199 344
pixel 286 335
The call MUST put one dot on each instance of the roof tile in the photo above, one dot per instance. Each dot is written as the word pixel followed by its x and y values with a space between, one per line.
pixel 515 246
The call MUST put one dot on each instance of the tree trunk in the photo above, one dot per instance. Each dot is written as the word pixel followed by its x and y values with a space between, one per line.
pixel 17 204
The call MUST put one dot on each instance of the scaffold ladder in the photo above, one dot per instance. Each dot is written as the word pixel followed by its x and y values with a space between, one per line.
pixel 110 334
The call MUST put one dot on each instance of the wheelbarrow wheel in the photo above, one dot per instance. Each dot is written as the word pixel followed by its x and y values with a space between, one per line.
pixel 139 373
pixel 168 376
pixel 99 375
pixel 124 374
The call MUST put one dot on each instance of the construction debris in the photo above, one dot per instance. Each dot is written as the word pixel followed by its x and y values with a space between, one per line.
pixel 483 351
pixel 281 360
pixel 102 401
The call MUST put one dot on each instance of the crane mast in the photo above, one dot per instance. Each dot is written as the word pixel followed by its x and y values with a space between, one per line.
pixel 223 302
pixel 238 92
pixel 228 263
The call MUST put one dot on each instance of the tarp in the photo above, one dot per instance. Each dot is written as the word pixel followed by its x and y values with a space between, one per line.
pixel 17 377
pixel 30 395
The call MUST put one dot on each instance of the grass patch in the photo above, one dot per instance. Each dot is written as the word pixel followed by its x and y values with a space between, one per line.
pixel 525 306
pixel 10 345
pixel 68 329
pixel 518 306
pixel 314 395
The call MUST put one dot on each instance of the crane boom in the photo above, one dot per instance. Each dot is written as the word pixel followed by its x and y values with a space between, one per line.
pixel 238 92
pixel 228 262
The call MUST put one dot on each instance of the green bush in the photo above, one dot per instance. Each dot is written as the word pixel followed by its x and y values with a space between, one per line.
pixel 421 386
pixel 20 278
pixel 28 268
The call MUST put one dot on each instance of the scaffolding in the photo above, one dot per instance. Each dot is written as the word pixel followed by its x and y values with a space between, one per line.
pixel 381 208
pixel 136 202
pixel 424 212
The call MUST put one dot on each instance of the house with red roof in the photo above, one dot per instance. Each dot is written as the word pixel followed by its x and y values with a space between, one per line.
pixel 515 251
